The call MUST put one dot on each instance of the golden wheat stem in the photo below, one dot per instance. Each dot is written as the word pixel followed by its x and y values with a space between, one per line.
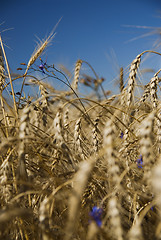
pixel 13 94
pixel 4 115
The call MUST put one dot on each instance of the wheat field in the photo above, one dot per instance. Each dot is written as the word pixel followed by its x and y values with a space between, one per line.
pixel 79 167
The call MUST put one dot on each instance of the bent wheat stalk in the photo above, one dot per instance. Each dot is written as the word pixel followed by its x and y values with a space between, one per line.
pixel 38 51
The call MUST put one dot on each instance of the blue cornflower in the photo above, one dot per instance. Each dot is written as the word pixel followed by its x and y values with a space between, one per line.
pixel 96 214
pixel 139 162
pixel 42 66
pixel 121 135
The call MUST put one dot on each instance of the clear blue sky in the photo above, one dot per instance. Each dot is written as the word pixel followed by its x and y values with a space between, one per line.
pixel 90 30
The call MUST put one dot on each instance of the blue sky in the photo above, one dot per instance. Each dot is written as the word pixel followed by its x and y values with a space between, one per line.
pixel 94 31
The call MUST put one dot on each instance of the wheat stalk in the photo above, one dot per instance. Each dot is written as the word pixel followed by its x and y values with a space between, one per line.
pixel 13 94
pixel 2 81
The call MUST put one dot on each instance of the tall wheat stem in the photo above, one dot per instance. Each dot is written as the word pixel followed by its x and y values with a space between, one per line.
pixel 13 94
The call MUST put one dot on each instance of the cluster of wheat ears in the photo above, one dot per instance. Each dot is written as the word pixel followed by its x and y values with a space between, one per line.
pixel 76 167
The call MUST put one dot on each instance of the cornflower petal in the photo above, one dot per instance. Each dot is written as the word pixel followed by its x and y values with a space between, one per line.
pixel 139 162
pixel 96 214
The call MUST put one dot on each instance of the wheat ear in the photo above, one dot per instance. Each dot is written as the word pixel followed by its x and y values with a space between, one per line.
pixel 135 232
pixel 23 132
pixel 37 52
pixel 76 74
pixel 40 48
pixel 57 123
pixel 93 229
pixel 153 90
pixel 5 172
pixel 156 187
pixel 77 137
pixel 115 221
pixel 66 124
pixel 110 153
pixel 132 76
pixel 146 135
pixel 95 135
pixel 79 183
pixel 156 183
pixel 45 104
pixel 159 127
pixel 121 79
pixel 146 93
